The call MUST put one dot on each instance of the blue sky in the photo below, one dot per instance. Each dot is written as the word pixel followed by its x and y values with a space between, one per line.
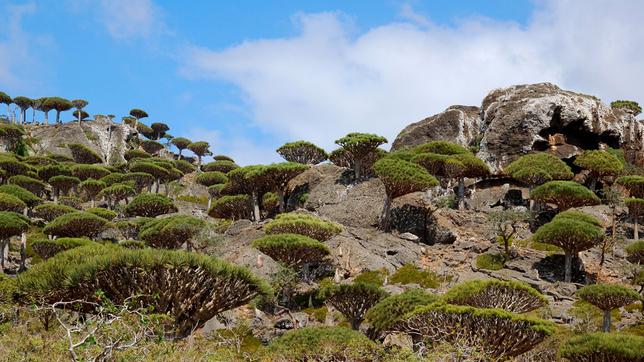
pixel 250 75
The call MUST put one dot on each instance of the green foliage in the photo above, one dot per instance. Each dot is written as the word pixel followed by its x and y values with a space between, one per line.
pixel 570 233
pixel 138 113
pixel 352 300
pixel 71 201
pixel 49 211
pixel 113 178
pixel 64 183
pixel 608 296
pixel 324 344
pixel 76 224
pixel 302 152
pixel 151 147
pixel 149 167
pixel 511 295
pixel 604 347
pixel 411 274
pixel 292 250
pixel 104 213
pixel 132 244
pixel 537 168
pixel 199 148
pixel 150 205
pixel 171 232
pixel 11 166
pixel 84 154
pixel 121 273
pixel 402 177
pixel 180 142
pixel 384 315
pixel 376 277
pixel 635 206
pixel 12 224
pixel 441 148
pixel 184 166
pixel 84 172
pixel 48 171
pixel 11 203
pixel 92 187
pixel 631 106
pixel 29 183
pixel 27 197
pixel 130 155
pixel 303 224
pixel 635 252
pixel 46 248
pixel 489 261
pixel 233 207
pixel 565 194
pixel 211 178
pixel 600 163
pixel 358 151
pixel 634 184
pixel 118 191
pixel 160 129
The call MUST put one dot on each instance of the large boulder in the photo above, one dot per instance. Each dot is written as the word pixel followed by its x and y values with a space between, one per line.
pixel 541 117
pixel 111 146
pixel 458 124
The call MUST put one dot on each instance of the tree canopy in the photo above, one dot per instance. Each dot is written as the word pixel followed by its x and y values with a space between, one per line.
pixel 292 250
pixel 302 152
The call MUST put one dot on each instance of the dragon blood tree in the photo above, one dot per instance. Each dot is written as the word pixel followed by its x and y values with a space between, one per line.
pixel 233 207
pixel 201 149
pixel 636 211
pixel 352 300
pixel 608 297
pixel 497 333
pixel 279 174
pixel 191 288
pixel 512 296
pixel 604 347
pixel 292 250
pixel 302 152
pixel 386 313
pixel 572 231
pixel 359 149
pixel 400 177
pixel 171 232
pixel 601 165
pixel 150 205
pixel 564 194
pixel 635 252
pixel 12 224
pixel 303 224
pixel 76 224
pixel 211 178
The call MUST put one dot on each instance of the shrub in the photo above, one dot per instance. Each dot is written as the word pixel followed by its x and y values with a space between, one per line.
pixel 573 234
pixel 498 333
pixel 116 193
pixel 171 232
pixel 352 300
pixel 384 315
pixel 400 177
pixel 630 106
pixel 635 252
pixel 324 344
pixel 489 261
pixel 181 143
pixel 564 194
pixel 604 347
pixel 104 213
pixel 9 202
pixel 49 211
pixel 221 166
pixel 76 224
pixel 150 205
pixel 132 244
pixel 303 224
pixel 84 172
pixel 302 152
pixel 46 248
pixel 512 296
pixel 537 168
pixel 233 207
pixel 411 274
pixel 130 228
pixel 608 297
pixel 359 149
pixel 28 183
pixel 140 180
pixel 92 188
pixel 208 286
pixel 27 197
pixel 291 249
pixel 84 154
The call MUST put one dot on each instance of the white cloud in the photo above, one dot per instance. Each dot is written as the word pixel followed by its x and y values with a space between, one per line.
pixel 130 19
pixel 324 82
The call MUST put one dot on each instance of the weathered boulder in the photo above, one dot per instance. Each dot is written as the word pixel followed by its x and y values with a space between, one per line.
pixel 458 124
pixel 110 145
pixel 539 117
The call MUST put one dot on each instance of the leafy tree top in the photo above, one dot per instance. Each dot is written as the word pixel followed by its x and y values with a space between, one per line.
pixel 512 296
pixel 570 233
pixel 11 203
pixel 635 252
pixel 149 167
pixel 211 178
pixel 359 144
pixel 49 211
pixel 138 113
pixel 151 147
pixel 221 166
pixel 23 102
pixel 46 248
pixel 59 104
pixel 159 129
pixel 608 296
pixel 76 224
pixel 280 174
pixel 441 148
pixel 579 216
pixel 604 347
pixel 11 166
pixel 171 232
pixel 84 154
pixel 64 182
pixel 104 213
pixel 537 168
pixel 150 205
pixel 119 191
pixel 12 224
pixel 635 206
pixel 32 184
pixel 600 163
pixel 184 166
pixel 25 195
pixel 181 142
pixel 48 171
pixel 303 224
pixel 634 184
pixel 302 152
pixel 5 99
pixel 222 158
pixel 84 171
pixel 113 178
pixel 390 310
pixel 146 131
pixel 79 103
pixel 631 106
pixel 199 148
pixel 565 194
pixel 401 177
pixel 231 207
pixel 292 249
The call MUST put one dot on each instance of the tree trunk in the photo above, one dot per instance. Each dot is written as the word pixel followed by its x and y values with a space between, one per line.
pixel 636 228
pixel 57 117
pixel 156 186
pixel 4 252
pixel 357 166
pixel 55 195
pixel 78 116
pixel 198 163
pixel 506 246
pixel 568 267
pixel 33 115
pixel 385 222
pixel 179 156
pixel 166 188
pixel 256 213
pixel 355 324
pixel 593 184
pixel 461 193
pixel 23 252
pixel 46 118
pixel 607 321
pixel 280 197
pixel 209 202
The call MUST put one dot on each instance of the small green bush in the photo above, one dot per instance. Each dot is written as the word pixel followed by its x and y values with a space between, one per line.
pixel 490 261
pixel 352 300
pixel 9 202
pixel 303 224
pixel 210 178
pixel 171 232
pixel 411 274
pixel 28 183
pixel 631 106
pixel 512 296
pixel 220 166
pixel 604 347
pixel 84 154
pixel 25 195
pixel 635 252
pixel 390 310
pixel 104 213
pixel 76 224
pixel 293 250
pixel 49 211
pixel 150 205
pixel 233 207
pixel 84 172
pixel 46 248
pixel 376 277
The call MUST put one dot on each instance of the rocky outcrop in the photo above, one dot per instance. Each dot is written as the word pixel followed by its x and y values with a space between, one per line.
pixel 110 145
pixel 458 124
